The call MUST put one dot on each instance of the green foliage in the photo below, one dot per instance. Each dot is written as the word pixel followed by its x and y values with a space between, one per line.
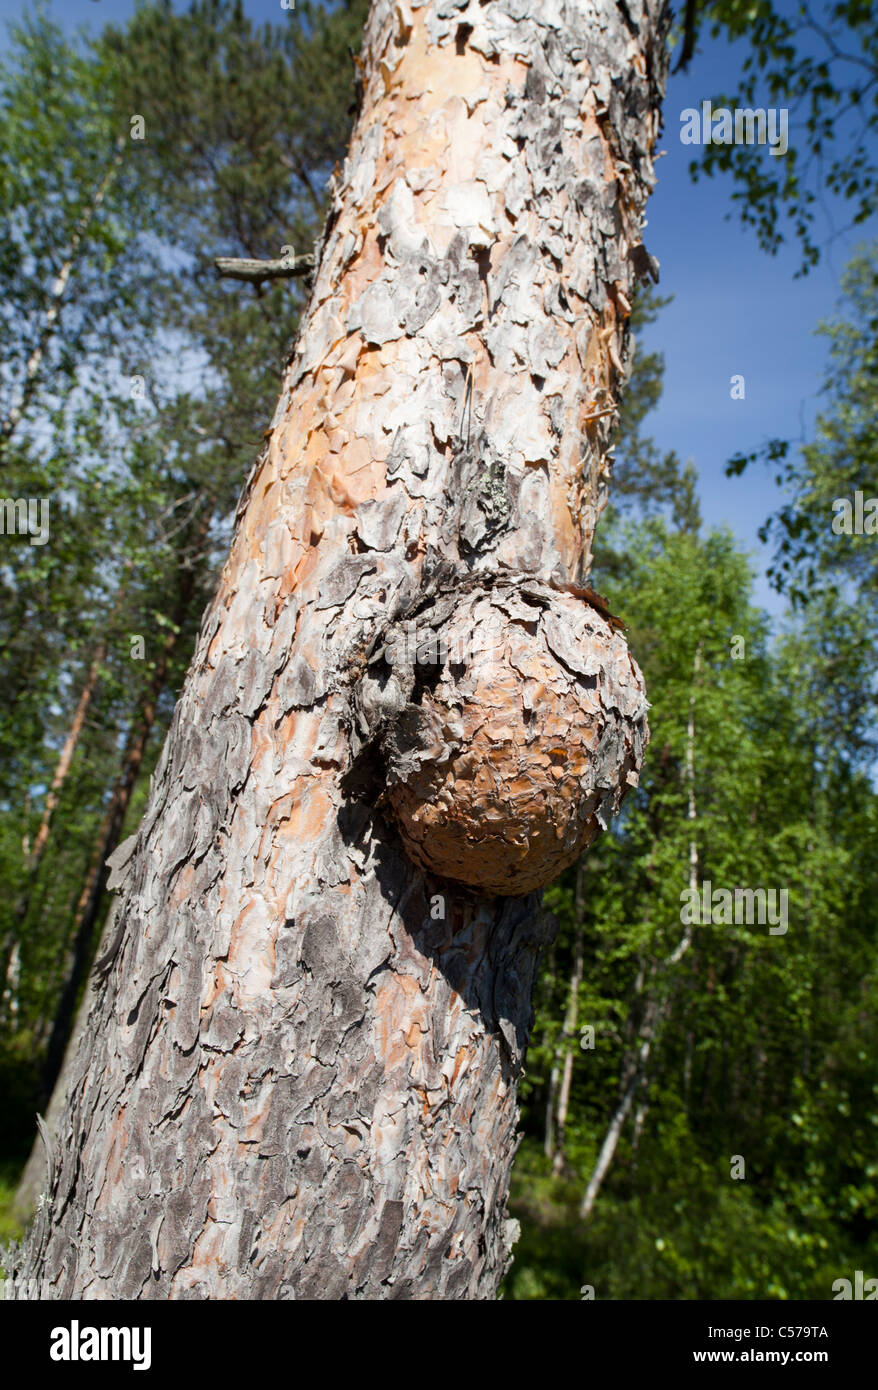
pixel 821 63
pixel 766 1044
pixel 673 1227
pixel 68 201
pixel 10 1228
pixel 643 478
pixel 810 555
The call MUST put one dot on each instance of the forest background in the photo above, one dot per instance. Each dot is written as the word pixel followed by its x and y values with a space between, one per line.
pixel 700 1105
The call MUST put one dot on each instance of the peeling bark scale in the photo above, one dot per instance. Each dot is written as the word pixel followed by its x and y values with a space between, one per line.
pixel 296 1082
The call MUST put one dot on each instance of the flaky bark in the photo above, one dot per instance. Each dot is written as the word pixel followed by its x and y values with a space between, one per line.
pixel 303 1073
pixel 32 1181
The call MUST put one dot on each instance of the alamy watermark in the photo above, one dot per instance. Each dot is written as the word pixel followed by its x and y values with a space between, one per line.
pixel 25 516
pixel 855 518
pixel 409 645
pixel 743 126
pixel 743 907
pixel 859 1288
pixel 75 1343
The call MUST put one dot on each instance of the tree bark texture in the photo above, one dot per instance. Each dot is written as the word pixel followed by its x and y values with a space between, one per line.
pixel 301 1080
pixel 32 1181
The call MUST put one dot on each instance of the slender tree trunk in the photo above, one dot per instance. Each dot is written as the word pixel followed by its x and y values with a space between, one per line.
pixel 302 1077
pixel 67 1029
pixel 91 896
pixel 614 1132
pixel 555 1077
pixel 569 1031
pixel 34 853
pixel 56 296
pixel 65 759
pixel 11 982
pixel 549 1142
pixel 89 902
pixel 25 839
pixel 640 1115
pixel 548 965
pixel 656 1011
pixel 41 839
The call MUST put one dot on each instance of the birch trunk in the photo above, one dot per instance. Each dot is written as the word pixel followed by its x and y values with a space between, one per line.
pixel 10 954
pixel 56 295
pixel 71 742
pixel 301 1081
pixel 91 894
pixel 33 854
pixel 657 1009
pixel 570 1019
pixel 560 1079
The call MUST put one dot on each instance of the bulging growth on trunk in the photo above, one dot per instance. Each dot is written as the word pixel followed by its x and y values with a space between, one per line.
pixel 300 1075
pixel 512 720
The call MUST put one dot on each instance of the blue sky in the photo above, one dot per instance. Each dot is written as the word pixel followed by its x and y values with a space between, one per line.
pixel 734 310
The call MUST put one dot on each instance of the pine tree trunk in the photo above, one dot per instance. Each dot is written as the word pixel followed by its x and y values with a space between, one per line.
pixel 301 1081
pixel 41 839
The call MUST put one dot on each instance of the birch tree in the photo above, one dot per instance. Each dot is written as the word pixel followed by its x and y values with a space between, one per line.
pixel 405 714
